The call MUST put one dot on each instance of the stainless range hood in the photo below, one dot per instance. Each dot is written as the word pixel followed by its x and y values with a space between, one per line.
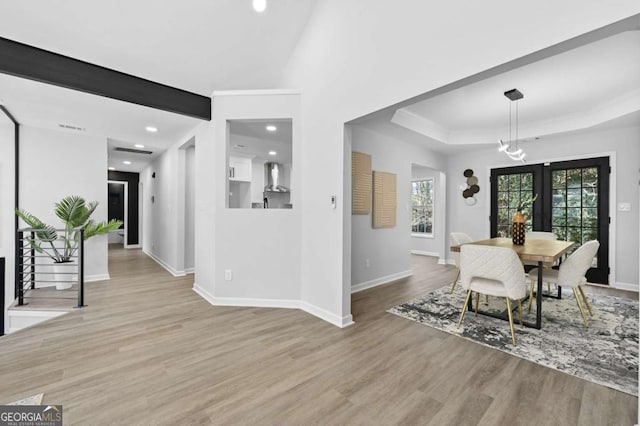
pixel 274 175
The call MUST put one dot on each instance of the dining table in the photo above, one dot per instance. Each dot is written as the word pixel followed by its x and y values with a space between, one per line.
pixel 544 252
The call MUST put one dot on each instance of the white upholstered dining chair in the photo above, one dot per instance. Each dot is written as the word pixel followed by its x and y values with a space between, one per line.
pixel 571 274
pixel 494 271
pixel 457 238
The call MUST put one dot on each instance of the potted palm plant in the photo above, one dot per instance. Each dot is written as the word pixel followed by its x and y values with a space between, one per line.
pixel 75 213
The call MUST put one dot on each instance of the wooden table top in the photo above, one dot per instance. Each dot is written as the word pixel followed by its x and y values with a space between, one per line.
pixel 547 251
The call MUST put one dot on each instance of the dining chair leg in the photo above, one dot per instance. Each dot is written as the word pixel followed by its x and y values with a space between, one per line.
pixel 531 295
pixel 453 286
pixel 486 299
pixel 513 331
pixel 584 317
pixel 464 307
pixel 586 302
pixel 520 311
pixel 477 302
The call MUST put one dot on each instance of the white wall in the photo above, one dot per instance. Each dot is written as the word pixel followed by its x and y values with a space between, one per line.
pixel 387 249
pixel 7 193
pixel 474 220
pixel 260 247
pixel 190 212
pixel 359 56
pixel 432 245
pixel 160 217
pixel 55 164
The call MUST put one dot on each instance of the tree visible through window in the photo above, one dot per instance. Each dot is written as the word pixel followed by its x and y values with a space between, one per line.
pixel 422 206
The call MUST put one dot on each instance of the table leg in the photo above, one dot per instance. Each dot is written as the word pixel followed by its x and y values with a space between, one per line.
pixel 539 298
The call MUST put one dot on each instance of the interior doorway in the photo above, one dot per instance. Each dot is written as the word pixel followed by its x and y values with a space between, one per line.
pixel 118 193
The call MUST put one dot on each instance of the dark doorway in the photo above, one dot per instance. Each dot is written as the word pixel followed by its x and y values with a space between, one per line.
pixel 116 201
pixel 117 207
pixel 132 211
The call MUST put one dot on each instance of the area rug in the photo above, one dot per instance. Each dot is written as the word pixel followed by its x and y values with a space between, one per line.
pixel 605 353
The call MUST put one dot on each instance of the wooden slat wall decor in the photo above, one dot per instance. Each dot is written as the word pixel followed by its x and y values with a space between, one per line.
pixel 360 183
pixel 384 200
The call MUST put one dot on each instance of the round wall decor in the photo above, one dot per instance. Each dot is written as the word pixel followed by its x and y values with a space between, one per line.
pixel 470 187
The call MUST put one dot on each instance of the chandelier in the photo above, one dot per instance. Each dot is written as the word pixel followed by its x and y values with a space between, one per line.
pixel 511 149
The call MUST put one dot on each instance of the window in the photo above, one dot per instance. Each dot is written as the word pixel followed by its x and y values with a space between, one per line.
pixel 260 163
pixel 422 207
pixel 512 189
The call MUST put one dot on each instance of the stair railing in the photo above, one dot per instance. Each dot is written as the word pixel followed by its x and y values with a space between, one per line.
pixel 32 271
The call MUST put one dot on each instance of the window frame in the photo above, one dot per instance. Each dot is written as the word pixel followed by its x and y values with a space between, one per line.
pixel 424 234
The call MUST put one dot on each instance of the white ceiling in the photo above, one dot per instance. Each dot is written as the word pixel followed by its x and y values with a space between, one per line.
pixel 46 106
pixel 195 45
pixel 578 89
pixel 256 141
pixel 206 45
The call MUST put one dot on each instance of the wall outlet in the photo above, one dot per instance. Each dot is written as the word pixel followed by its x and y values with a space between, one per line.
pixel 228 274
pixel 367 263
pixel 624 207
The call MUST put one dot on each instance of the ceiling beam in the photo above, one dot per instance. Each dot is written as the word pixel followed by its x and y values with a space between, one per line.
pixel 22 60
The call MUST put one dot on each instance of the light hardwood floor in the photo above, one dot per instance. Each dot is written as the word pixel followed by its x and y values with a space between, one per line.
pixel 148 350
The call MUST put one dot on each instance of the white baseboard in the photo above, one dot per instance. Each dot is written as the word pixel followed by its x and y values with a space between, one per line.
pixel 245 301
pixel 442 261
pixel 274 303
pixel 189 271
pixel 626 286
pixel 380 281
pixel 133 246
pixel 99 277
pixel 203 293
pixel 256 303
pixel 425 253
pixel 329 317
pixel 162 263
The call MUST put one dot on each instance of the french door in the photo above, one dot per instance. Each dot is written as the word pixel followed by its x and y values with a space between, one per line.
pixel 573 203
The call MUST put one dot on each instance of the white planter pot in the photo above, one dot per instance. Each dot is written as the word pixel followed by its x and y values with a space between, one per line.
pixel 65 275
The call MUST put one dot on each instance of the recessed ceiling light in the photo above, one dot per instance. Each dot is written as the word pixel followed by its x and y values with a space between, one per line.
pixel 259 5
pixel 271 128
pixel 238 146
pixel 112 168
pixel 151 129
pixel 126 162
pixel 139 145
pixel 272 153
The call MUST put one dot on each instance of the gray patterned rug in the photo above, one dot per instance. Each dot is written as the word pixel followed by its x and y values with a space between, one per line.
pixel 605 353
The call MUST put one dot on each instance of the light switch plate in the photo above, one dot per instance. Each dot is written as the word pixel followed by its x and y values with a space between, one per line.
pixel 624 207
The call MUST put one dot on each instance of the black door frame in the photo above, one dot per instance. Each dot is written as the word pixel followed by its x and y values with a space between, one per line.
pixel 600 274
pixel 542 208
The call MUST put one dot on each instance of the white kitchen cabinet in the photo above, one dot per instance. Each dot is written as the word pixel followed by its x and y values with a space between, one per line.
pixel 239 169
